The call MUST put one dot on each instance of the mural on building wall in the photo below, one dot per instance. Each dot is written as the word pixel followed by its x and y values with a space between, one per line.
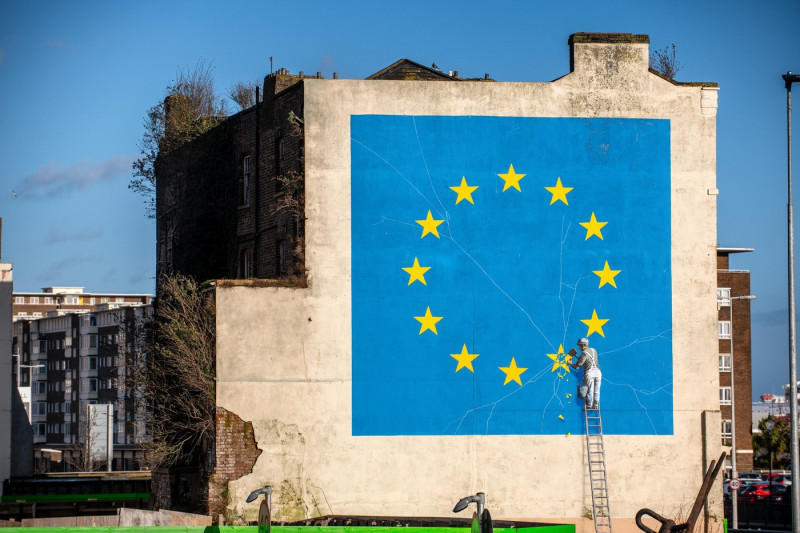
pixel 483 248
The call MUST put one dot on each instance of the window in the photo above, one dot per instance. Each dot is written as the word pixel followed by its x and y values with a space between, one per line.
pixel 724 395
pixel 39 429
pixel 93 320
pixel 39 387
pixel 726 429
pixel 724 362
pixel 93 385
pixel 723 296
pixel 34 299
pixel 39 408
pixel 246 180
pixel 48 299
pixel 42 346
pixel 245 264
pixel 92 341
pixel 281 155
pixel 37 315
pixel 120 299
pixel 19 299
pixel 282 258
pixel 724 329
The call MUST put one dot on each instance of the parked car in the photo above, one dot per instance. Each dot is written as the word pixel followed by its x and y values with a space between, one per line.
pixel 782 479
pixel 754 493
pixel 749 478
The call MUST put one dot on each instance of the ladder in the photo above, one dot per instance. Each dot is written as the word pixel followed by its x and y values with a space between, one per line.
pixel 596 455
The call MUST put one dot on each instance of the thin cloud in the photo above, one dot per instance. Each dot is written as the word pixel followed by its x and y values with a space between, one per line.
pixel 52 180
pixel 57 44
pixel 89 233
pixel 60 273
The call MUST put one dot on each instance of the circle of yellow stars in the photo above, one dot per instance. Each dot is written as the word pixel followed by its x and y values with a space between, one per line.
pixel 428 321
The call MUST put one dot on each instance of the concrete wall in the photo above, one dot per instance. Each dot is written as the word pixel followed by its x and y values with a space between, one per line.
pixel 284 356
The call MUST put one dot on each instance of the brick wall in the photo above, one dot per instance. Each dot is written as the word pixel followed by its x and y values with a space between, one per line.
pixel 236 453
pixel 738 312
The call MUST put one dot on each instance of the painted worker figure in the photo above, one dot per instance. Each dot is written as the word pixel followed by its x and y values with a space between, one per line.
pixel 591 372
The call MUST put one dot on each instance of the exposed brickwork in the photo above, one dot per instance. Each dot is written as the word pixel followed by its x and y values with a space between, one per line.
pixel 236 453
pixel 738 312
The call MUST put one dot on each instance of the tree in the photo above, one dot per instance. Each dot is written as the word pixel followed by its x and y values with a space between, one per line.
pixel 82 457
pixel 197 109
pixel 772 444
pixel 665 61
pixel 243 94
pixel 173 375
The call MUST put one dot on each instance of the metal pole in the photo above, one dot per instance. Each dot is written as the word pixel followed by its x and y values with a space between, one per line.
pixel 790 78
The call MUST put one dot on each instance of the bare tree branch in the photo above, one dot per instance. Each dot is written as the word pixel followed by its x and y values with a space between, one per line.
pixel 174 374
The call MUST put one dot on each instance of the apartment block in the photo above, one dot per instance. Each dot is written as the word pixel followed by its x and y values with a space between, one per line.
pixel 68 360
pixel 35 305
pixel 735 373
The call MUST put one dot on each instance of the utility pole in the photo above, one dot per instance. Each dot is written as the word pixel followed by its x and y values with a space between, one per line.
pixel 790 78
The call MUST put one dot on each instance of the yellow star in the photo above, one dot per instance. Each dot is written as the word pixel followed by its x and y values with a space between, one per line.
pixel 416 272
pixel 593 227
pixel 559 192
pixel 511 178
pixel 595 324
pixel 464 359
pixel 559 360
pixel 465 191
pixel 512 372
pixel 607 276
pixel 428 322
pixel 429 225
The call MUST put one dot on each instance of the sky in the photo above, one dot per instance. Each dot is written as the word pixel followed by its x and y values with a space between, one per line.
pixel 76 79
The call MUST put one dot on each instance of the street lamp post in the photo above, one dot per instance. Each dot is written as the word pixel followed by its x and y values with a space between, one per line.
pixel 734 473
pixel 769 425
pixel 789 79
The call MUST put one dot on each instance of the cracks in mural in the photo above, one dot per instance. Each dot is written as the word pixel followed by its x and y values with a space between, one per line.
pixel 567 296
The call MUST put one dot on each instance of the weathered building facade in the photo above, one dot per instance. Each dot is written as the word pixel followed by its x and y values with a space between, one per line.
pixel 454 238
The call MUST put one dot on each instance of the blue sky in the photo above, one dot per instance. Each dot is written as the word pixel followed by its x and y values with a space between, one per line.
pixel 76 79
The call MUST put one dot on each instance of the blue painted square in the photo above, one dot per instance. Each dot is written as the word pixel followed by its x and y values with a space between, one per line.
pixel 512 274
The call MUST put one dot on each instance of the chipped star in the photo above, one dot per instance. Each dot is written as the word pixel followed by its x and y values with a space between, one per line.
pixel 560 360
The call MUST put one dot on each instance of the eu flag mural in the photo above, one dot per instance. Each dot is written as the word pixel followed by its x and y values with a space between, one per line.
pixel 483 248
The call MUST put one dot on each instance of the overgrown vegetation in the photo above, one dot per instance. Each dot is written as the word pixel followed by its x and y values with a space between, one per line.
pixel 665 61
pixel 174 375
pixel 289 206
pixel 772 446
pixel 243 94
pixel 195 107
